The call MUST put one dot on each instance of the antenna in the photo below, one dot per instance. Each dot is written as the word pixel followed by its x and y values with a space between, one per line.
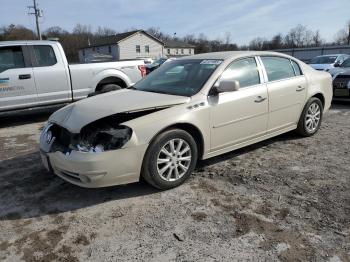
pixel 38 13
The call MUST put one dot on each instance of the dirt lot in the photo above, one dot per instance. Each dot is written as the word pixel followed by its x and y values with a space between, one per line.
pixel 283 199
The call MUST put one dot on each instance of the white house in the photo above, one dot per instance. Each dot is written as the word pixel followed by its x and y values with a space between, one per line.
pixel 175 48
pixel 133 45
pixel 129 45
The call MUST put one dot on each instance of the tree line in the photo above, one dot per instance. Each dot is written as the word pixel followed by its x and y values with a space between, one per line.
pixel 83 35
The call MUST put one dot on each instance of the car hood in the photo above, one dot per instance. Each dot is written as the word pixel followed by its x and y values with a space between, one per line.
pixel 77 115
pixel 321 66
pixel 339 71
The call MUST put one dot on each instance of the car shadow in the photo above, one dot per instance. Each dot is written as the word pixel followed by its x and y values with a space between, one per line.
pixel 27 190
pixel 340 105
pixel 283 137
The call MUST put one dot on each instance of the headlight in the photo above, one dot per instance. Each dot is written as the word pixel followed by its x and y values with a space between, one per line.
pixel 102 139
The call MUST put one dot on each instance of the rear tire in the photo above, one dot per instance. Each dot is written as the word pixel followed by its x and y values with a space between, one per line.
pixel 311 118
pixel 170 159
pixel 105 89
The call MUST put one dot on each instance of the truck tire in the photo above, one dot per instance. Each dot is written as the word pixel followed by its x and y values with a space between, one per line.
pixel 105 89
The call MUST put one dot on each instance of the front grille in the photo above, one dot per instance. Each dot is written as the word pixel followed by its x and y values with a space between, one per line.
pixel 341 81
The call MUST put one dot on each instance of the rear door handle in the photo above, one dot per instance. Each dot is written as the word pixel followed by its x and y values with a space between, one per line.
pixel 259 99
pixel 26 76
pixel 300 88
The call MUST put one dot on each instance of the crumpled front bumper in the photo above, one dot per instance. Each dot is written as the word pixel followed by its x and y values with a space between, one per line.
pixel 103 169
pixel 94 169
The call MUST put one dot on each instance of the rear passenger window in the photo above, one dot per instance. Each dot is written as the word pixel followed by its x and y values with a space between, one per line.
pixel 277 68
pixel 296 68
pixel 44 55
pixel 245 71
pixel 11 57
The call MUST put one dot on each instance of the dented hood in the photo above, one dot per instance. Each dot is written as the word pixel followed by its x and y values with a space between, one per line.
pixel 75 116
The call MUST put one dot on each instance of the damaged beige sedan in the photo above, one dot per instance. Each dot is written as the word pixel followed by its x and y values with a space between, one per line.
pixel 191 108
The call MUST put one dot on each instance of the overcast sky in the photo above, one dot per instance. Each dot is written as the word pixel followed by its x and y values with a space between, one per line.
pixel 244 19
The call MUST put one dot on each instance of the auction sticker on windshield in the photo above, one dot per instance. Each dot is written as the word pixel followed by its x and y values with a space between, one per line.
pixel 211 62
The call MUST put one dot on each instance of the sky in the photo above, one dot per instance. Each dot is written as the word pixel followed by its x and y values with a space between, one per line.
pixel 243 19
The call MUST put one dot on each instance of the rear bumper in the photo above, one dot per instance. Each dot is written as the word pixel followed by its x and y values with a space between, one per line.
pixel 93 170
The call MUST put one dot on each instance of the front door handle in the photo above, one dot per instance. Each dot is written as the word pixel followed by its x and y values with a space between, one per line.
pixel 259 99
pixel 300 88
pixel 26 76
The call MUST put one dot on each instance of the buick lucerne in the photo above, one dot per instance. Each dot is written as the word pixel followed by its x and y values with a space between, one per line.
pixel 191 108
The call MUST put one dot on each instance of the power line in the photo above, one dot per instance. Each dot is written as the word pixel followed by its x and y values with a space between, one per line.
pixel 37 13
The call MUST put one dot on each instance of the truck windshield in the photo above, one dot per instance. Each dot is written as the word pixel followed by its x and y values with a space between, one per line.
pixel 323 60
pixel 179 77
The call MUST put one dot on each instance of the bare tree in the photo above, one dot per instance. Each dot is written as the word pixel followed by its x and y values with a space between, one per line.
pixel 316 38
pixel 342 37
pixel 104 31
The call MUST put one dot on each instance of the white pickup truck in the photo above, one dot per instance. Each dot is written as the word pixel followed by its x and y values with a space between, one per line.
pixel 36 74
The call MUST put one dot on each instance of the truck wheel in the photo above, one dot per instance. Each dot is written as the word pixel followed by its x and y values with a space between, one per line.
pixel 170 159
pixel 105 89
pixel 311 117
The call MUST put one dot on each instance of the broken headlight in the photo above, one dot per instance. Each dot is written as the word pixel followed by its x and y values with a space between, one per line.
pixel 101 139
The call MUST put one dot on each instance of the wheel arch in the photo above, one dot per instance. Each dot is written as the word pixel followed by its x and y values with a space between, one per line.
pixel 110 80
pixel 321 97
pixel 189 128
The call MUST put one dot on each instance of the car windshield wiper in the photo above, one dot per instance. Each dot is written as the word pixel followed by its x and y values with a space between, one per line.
pixel 132 88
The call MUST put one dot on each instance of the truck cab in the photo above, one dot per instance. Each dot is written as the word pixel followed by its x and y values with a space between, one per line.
pixel 36 73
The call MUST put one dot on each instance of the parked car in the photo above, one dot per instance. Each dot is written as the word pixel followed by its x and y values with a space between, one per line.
pixel 36 73
pixel 156 64
pixel 341 81
pixel 192 108
pixel 327 62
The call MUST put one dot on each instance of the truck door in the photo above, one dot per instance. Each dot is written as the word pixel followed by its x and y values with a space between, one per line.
pixel 51 74
pixel 17 86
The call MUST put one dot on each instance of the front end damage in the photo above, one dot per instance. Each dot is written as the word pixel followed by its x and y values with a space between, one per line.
pixel 95 156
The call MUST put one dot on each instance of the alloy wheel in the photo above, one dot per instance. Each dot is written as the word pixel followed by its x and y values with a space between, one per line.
pixel 312 117
pixel 174 159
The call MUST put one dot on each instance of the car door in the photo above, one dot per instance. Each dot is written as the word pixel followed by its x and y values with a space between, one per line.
pixel 286 87
pixel 17 86
pixel 242 115
pixel 51 76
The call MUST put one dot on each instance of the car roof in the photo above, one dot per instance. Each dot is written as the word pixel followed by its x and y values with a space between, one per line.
pixel 27 42
pixel 232 54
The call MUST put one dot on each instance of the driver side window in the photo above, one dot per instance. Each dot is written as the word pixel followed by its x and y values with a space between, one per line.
pixel 245 71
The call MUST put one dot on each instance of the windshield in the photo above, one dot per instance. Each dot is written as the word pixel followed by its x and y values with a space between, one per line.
pixel 179 77
pixel 346 63
pixel 323 60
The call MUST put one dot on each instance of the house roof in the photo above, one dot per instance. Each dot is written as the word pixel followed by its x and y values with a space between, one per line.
pixel 177 44
pixel 114 39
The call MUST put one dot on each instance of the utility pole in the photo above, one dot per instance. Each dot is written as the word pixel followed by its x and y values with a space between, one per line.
pixel 38 13
pixel 349 33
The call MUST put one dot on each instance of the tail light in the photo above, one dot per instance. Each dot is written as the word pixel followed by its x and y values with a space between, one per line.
pixel 142 69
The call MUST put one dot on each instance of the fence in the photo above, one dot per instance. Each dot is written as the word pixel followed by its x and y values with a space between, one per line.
pixel 307 53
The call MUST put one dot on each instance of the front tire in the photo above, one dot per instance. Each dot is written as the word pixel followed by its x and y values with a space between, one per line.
pixel 170 159
pixel 311 117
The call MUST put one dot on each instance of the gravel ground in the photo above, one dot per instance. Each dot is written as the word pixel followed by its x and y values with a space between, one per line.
pixel 285 199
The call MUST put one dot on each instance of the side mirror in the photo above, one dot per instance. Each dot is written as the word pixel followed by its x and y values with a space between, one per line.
pixel 226 85
pixel 337 64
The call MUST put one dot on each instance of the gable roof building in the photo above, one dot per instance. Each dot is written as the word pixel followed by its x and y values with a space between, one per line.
pixel 133 45
pixel 174 48
pixel 129 45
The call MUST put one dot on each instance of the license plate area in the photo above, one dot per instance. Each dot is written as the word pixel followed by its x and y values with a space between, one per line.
pixel 341 92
